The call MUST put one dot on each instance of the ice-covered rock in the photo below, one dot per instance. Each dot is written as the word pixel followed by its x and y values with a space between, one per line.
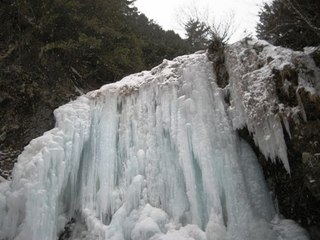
pixel 154 156
pixel 252 66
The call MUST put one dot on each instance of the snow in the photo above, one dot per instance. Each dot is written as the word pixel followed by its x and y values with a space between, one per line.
pixel 154 156
pixel 254 101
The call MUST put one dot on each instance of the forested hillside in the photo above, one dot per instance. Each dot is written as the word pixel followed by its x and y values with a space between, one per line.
pixel 53 50
pixel 98 40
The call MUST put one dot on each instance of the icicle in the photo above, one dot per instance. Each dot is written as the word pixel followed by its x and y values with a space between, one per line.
pixel 154 156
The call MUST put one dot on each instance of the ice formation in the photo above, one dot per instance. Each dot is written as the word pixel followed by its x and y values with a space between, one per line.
pixel 252 90
pixel 154 156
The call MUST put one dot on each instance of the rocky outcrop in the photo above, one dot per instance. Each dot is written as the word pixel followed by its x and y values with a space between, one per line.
pixel 26 110
pixel 298 194
pixel 217 56
pixel 274 93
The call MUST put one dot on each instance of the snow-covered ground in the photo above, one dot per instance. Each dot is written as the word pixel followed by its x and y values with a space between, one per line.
pixel 154 156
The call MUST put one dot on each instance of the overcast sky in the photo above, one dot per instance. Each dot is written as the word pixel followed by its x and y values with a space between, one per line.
pixel 167 12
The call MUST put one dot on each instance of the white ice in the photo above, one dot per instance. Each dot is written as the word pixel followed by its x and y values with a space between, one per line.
pixel 154 156
pixel 254 101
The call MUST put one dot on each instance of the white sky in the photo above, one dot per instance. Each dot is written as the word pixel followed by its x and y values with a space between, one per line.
pixel 166 12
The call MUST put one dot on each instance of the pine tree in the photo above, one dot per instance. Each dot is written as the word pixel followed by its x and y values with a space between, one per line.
pixel 197 33
pixel 290 23
pixel 89 41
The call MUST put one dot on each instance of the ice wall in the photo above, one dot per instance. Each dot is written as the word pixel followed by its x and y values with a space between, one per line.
pixel 154 156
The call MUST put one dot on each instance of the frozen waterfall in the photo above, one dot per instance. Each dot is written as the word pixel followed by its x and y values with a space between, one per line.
pixel 154 156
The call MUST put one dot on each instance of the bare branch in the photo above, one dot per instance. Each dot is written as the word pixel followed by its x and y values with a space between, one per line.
pixel 12 47
pixel 224 29
pixel 303 17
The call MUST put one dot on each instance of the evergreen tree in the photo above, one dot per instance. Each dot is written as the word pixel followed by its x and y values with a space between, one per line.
pixel 51 50
pixel 290 23
pixel 89 41
pixel 197 33
pixel 156 44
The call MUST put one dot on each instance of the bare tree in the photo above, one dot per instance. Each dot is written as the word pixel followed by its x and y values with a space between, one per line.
pixel 224 29
pixel 209 29
pixel 192 11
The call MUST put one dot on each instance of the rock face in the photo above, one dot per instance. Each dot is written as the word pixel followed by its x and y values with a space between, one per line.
pixel 26 110
pixel 273 99
pixel 299 194
pixel 277 86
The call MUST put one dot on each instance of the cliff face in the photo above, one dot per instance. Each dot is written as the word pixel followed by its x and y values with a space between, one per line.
pixel 272 97
pixel 153 156
pixel 278 92
pixel 298 195
pixel 26 110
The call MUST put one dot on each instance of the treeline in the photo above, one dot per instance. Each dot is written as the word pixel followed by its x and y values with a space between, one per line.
pixel 89 41
pixel 290 23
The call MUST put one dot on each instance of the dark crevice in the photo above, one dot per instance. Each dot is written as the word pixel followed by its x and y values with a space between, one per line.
pixel 67 231
pixel 217 56
pixel 294 198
